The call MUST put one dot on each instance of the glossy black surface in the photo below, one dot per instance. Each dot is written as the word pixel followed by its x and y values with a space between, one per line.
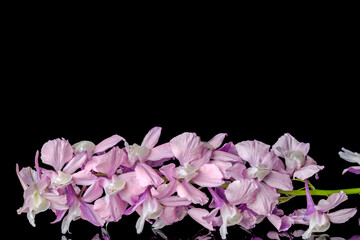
pixel 261 93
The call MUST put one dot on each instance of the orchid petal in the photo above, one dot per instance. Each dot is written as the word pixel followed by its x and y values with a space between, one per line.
pixel 57 202
pixel 224 167
pixel 241 191
pixel 281 223
pixel 165 190
pixel 279 180
pixel 236 171
pixel 75 163
pixel 88 213
pixel 110 161
pixel 332 201
pixel 169 171
pixel 216 201
pixel 162 151
pixel 355 170
pixel 110 210
pixel 269 160
pixel 146 175
pixel 209 175
pixel 225 156
pixel 170 215
pixel 56 153
pixel 108 143
pixel 307 171
pixel 191 193
pixel 93 192
pixel 132 189
pixel 342 216
pixel 350 156
pixel 252 151
pixel 248 220
pixel 21 179
pixel 266 199
pixel 197 214
pixel 186 147
pixel 174 201
pixel 151 138
pixel 217 140
pixel 83 177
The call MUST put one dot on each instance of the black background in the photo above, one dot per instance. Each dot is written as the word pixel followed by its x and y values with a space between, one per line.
pixel 88 82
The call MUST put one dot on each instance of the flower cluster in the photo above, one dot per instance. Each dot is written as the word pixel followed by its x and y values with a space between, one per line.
pixel 216 184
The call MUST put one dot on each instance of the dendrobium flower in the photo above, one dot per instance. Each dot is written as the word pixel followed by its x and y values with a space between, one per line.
pixel 297 162
pixel 37 195
pixel 78 208
pixel 148 152
pixel 194 157
pixel 352 157
pixel 241 192
pixel 267 169
pixel 317 216
pixel 147 207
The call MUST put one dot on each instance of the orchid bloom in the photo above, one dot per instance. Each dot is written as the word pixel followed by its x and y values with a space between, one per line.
pixel 238 192
pixel 148 152
pixel 352 157
pixel 78 208
pixel 37 195
pixel 317 216
pixel 148 207
pixel 297 162
pixel 267 171
pixel 194 157
pixel 110 207
pixel 57 153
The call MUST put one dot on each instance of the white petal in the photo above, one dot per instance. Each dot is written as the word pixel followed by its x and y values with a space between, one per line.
pixel 349 156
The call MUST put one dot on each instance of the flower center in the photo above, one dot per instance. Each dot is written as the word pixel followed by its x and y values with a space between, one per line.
pixel 188 172
pixel 294 160
pixel 84 146
pixel 62 179
pixel 115 186
pixel 136 152
pixel 259 171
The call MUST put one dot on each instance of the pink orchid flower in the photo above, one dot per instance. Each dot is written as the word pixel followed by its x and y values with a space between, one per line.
pixel 37 195
pixel 297 162
pixel 110 207
pixel 59 152
pixel 317 216
pixel 352 157
pixel 147 207
pixel 194 157
pixel 78 208
pixel 224 202
pixel 267 170
pixel 148 152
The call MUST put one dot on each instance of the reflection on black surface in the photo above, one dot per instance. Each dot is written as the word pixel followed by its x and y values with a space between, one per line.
pixel 205 234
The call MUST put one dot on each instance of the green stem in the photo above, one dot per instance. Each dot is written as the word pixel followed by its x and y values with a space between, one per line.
pixel 319 192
